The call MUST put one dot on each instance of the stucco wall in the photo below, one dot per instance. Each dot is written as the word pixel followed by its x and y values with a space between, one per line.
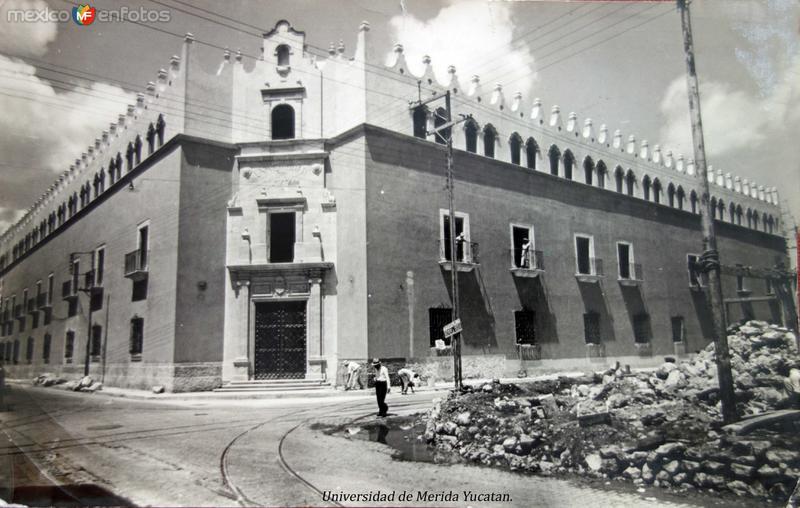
pixel 405 191
pixel 206 176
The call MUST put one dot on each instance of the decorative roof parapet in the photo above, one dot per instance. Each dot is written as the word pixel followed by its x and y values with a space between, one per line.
pixel 631 146
pixel 516 104
pixel 587 129
pixel 474 87
pixel 555 117
pixel 669 161
pixel 644 151
pixel 617 142
pixel 572 121
pixel 498 99
pixel 399 58
pixel 453 83
pixel 536 110
pixel 657 159
pixel 602 137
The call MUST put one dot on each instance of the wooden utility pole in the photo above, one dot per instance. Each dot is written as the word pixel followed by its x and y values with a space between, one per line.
pixel 446 131
pixel 709 261
pixel 456 340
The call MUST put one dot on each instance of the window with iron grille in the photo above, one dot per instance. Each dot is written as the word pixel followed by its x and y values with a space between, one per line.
pixel 9 346
pixel 69 346
pixel 16 351
pixel 35 320
pixel 591 327
pixel 72 308
pixel 525 326
pixel 137 336
pixel 97 342
pixel 678 330
pixel 96 301
pixel 641 328
pixel 46 348
pixel 3 352
pixel 438 318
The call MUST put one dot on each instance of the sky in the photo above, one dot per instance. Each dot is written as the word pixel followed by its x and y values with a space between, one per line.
pixel 619 63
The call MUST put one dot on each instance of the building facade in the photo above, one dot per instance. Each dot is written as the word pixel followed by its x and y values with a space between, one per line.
pixel 276 215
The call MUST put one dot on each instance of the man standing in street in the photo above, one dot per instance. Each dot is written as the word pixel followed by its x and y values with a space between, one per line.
pixel 381 386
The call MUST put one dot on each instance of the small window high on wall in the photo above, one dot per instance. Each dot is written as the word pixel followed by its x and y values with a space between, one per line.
pixel 283 122
pixel 281 237
pixel 282 53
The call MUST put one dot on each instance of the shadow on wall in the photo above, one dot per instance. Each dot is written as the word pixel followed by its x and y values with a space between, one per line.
pixel 594 301
pixel 476 316
pixel 533 295
pixel 634 304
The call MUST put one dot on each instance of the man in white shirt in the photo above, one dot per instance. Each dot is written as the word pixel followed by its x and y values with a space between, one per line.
pixel 408 378
pixel 353 378
pixel 381 386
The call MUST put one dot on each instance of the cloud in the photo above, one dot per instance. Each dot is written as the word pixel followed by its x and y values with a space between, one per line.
pixel 8 216
pixel 469 35
pixel 25 38
pixel 45 126
pixel 732 118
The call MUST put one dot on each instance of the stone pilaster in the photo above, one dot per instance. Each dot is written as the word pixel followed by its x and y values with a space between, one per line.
pixel 241 363
pixel 314 338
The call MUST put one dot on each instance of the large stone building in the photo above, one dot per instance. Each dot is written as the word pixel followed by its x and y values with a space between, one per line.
pixel 274 216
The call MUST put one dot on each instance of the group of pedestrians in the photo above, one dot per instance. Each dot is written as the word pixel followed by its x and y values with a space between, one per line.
pixel 408 379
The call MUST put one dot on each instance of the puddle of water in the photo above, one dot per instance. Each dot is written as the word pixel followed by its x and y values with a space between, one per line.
pixel 105 427
pixel 401 434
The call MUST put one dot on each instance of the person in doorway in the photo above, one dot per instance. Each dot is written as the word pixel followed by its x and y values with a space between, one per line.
pixel 525 256
pixel 408 378
pixel 353 375
pixel 461 239
pixel 382 383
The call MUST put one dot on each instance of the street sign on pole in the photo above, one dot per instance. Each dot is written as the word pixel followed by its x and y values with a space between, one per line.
pixel 453 328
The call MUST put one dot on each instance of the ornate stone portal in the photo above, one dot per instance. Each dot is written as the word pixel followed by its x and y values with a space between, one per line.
pixel 270 337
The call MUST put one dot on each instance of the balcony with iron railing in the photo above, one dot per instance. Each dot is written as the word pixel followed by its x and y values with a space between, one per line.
pixel 91 282
pixel 18 310
pixel 136 265
pixel 466 258
pixel 69 290
pixel 527 263
pixel 31 306
pixel 41 301
pixel 589 270
pixel 630 274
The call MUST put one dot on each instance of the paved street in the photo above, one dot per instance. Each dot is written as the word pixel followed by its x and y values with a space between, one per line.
pixel 109 450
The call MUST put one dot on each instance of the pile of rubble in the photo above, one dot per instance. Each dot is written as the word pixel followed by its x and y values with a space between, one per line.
pixel 659 427
pixel 85 384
